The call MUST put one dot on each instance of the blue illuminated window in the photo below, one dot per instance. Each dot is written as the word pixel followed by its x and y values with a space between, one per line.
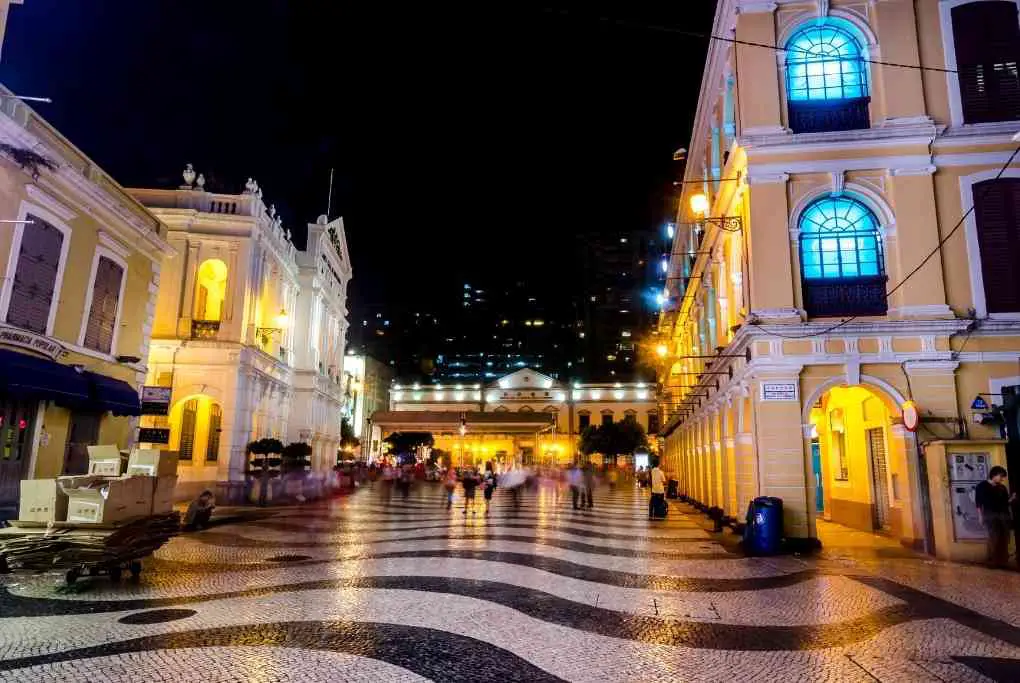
pixel 825 63
pixel 839 239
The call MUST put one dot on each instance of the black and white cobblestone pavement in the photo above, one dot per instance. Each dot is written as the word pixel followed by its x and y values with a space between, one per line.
pixel 365 589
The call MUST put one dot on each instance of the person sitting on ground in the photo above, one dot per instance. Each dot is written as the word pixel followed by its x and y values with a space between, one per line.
pixel 199 511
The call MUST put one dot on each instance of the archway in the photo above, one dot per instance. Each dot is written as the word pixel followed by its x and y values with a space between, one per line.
pixel 196 423
pixel 862 470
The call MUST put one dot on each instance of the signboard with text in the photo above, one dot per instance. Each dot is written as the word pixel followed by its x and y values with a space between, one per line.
pixel 25 339
pixel 154 435
pixel 156 400
pixel 779 391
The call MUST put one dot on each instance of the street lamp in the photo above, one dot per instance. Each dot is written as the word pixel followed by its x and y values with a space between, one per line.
pixel 699 204
pixel 265 333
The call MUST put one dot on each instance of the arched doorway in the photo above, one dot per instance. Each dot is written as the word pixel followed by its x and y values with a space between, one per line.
pixel 862 464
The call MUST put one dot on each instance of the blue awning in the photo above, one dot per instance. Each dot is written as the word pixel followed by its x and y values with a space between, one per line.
pixel 119 397
pixel 27 376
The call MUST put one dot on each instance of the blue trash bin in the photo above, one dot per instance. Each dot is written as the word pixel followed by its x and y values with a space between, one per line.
pixel 763 534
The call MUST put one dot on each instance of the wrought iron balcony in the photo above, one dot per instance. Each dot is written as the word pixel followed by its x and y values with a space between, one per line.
pixel 204 329
pixel 819 116
pixel 824 298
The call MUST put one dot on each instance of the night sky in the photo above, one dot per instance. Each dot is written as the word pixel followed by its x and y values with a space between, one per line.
pixel 467 143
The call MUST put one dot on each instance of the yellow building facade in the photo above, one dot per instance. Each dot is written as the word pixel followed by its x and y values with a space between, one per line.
pixel 562 412
pixel 80 262
pixel 844 256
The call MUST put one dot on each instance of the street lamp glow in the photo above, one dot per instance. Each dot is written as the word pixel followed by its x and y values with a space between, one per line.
pixel 661 350
pixel 699 204
pixel 670 230
pixel 665 265
pixel 281 319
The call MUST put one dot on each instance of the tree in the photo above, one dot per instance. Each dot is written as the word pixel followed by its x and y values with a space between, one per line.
pixel 616 438
pixel 348 442
pixel 409 442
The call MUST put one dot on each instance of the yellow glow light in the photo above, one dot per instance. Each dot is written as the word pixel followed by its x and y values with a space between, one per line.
pixel 661 350
pixel 699 204
pixel 281 319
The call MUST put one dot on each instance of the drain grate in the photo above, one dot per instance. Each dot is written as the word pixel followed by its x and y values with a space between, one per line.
pixel 288 558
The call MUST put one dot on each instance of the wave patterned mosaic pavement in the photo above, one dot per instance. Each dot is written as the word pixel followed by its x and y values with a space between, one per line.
pixel 369 589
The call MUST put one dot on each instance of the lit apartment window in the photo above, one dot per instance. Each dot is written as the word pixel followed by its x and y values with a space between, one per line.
pixel 842 266
pixel 826 79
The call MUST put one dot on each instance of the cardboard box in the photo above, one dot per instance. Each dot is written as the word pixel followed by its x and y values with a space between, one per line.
pixel 42 500
pixel 163 495
pixel 104 460
pixel 111 500
pixel 152 462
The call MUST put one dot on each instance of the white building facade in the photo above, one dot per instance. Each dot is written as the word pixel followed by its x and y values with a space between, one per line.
pixel 231 336
pixel 321 322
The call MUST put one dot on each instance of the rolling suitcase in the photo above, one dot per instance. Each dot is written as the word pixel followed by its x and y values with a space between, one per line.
pixel 659 508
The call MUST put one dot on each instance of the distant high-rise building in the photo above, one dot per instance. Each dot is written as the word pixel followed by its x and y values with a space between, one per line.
pixel 618 276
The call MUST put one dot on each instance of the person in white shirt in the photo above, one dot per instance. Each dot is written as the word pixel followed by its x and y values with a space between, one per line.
pixel 657 481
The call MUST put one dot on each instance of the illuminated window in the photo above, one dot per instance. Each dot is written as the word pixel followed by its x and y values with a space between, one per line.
pixel 211 290
pixel 842 265
pixel 839 238
pixel 826 79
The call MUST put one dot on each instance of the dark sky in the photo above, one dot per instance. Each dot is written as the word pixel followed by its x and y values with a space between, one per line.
pixel 467 143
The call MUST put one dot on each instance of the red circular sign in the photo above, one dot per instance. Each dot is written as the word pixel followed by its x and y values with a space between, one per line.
pixel 911 417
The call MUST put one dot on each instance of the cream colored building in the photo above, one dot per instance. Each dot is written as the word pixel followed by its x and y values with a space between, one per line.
pixel 80 262
pixel 321 326
pixel 826 173
pixel 247 351
pixel 566 411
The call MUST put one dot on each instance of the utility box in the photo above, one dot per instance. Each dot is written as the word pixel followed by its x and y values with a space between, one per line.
pixel 954 469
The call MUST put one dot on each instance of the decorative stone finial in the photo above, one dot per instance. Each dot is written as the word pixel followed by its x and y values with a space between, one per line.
pixel 249 186
pixel 188 175
pixel 200 181
pixel 258 191
pixel 272 210
pixel 288 234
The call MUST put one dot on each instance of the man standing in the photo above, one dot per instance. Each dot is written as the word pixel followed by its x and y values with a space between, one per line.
pixel 588 477
pixel 993 499
pixel 575 480
pixel 657 505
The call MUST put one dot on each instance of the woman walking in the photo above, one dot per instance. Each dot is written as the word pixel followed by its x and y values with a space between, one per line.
pixel 488 485
pixel 470 482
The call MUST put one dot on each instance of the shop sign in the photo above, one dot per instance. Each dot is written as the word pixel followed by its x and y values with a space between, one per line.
pixel 156 400
pixel 154 435
pixel 24 339
pixel 979 403
pixel 779 391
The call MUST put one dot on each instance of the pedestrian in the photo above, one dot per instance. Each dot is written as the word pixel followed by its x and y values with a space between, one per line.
pixel 450 484
pixel 613 475
pixel 406 477
pixel 469 481
pixel 588 478
pixel 657 483
pixel 993 499
pixel 575 480
pixel 199 511
pixel 488 485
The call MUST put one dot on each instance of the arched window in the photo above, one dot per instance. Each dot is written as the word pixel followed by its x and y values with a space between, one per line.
pixel 189 417
pixel 826 79
pixel 212 447
pixel 842 265
pixel 210 292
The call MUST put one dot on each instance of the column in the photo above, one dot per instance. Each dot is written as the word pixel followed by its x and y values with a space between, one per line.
pixel 772 278
pixel 729 461
pixel 187 304
pixel 759 98
pixel 781 450
pixel 924 294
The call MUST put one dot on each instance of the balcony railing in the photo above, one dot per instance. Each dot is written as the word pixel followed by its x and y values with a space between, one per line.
pixel 204 329
pixel 824 298
pixel 819 116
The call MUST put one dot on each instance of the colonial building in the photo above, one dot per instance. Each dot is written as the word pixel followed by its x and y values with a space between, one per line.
pixel 241 345
pixel 321 326
pixel 366 391
pixel 81 260
pixel 810 309
pixel 544 417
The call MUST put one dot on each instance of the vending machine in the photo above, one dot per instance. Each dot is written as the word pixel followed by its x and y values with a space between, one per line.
pixel 966 471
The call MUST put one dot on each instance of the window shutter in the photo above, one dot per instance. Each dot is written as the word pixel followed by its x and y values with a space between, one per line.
pixel 103 313
pixel 35 277
pixel 997 212
pixel 987 36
